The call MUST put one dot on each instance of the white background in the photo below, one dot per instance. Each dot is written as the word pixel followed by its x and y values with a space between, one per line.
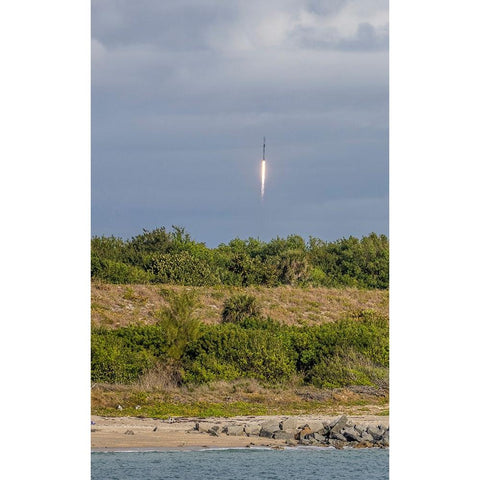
pixel 45 193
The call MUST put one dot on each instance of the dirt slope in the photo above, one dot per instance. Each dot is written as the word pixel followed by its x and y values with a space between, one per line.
pixel 117 305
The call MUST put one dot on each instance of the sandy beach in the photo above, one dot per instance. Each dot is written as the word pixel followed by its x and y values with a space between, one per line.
pixel 135 432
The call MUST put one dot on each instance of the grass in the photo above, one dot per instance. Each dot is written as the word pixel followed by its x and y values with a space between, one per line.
pixel 238 398
pixel 119 305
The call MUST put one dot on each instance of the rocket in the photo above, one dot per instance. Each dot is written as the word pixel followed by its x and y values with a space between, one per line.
pixel 263 170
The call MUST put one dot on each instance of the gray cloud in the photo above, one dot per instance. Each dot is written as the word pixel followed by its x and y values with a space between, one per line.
pixel 183 91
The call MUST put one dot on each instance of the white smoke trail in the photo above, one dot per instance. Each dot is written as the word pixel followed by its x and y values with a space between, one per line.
pixel 263 178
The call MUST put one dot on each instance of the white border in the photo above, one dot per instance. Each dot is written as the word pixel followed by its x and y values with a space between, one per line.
pixel 45 112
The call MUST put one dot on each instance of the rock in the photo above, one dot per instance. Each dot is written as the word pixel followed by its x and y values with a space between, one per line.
pixel 318 427
pixel 319 438
pixel 205 427
pixel 252 429
pixel 366 437
pixel 337 425
pixel 338 444
pixel 290 423
pixel 307 441
pixel 304 434
pixel 129 432
pixel 376 432
pixel 363 444
pixel 269 428
pixel 359 428
pixel 284 435
pixel 337 436
pixel 236 430
pixel 351 434
pixel 385 440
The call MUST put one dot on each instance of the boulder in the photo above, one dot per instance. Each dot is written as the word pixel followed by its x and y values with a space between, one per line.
pixel 359 428
pixel 284 435
pixel 290 423
pixel 385 440
pixel 376 432
pixel 339 423
pixel 269 428
pixel 351 434
pixel 205 427
pixel 252 429
pixel 319 438
pixel 318 427
pixel 235 430
pixel 337 436
pixel 339 444
pixel 304 434
pixel 308 441
pixel 366 437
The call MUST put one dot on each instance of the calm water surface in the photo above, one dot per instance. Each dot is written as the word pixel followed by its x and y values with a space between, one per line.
pixel 252 464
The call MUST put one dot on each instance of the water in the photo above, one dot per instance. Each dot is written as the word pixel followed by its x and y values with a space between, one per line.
pixel 251 464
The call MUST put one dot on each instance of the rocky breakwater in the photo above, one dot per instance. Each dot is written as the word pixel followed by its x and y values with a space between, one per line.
pixel 339 433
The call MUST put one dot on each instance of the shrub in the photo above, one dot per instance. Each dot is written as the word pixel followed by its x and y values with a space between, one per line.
pixel 182 268
pixel 240 307
pixel 112 362
pixel 349 352
pixel 347 368
pixel 259 354
pixel 179 323
pixel 118 272
pixel 174 257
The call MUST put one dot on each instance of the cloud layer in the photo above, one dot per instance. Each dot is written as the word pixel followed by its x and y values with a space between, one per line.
pixel 183 92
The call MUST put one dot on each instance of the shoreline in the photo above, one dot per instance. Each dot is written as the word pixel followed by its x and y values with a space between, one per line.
pixel 275 431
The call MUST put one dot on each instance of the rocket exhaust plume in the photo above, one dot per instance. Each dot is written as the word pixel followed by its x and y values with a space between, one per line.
pixel 263 178
pixel 263 169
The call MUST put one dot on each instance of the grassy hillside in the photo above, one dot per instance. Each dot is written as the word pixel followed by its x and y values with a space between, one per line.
pixel 160 352
pixel 120 305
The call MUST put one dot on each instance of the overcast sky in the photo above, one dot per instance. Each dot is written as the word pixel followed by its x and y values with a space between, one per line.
pixel 183 92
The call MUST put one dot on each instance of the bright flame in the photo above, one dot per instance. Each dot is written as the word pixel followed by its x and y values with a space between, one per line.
pixel 263 178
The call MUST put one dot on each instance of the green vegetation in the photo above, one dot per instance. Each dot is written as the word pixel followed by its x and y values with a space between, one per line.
pixel 164 257
pixel 240 307
pixel 181 329
pixel 352 351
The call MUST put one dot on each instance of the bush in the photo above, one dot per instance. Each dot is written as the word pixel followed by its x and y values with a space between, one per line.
pixel 240 307
pixel 173 257
pixel 118 272
pixel 347 368
pixel 113 362
pixel 179 323
pixel 183 269
pixel 259 354
pixel 349 352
